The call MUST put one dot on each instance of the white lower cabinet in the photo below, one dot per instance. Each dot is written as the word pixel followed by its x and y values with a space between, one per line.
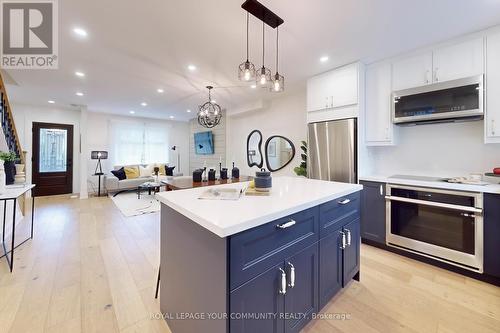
pixel 379 129
pixel 492 113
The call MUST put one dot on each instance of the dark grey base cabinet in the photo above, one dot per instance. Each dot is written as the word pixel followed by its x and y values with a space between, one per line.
pixel 292 273
pixel 492 234
pixel 373 211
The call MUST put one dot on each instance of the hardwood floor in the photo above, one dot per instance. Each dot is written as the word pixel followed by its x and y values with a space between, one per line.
pixel 89 269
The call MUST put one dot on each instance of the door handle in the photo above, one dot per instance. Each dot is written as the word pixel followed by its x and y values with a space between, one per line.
pixel 344 202
pixel 289 224
pixel 282 289
pixel 292 275
pixel 381 190
pixel 343 240
pixel 349 238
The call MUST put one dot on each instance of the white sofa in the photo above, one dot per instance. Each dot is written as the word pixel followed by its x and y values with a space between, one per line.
pixel 113 184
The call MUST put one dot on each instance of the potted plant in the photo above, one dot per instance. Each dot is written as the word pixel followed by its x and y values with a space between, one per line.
pixel 302 169
pixel 9 163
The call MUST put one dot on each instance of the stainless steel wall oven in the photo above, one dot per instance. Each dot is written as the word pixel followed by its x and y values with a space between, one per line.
pixel 442 224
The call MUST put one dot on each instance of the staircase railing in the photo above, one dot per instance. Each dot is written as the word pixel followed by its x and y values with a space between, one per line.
pixel 8 125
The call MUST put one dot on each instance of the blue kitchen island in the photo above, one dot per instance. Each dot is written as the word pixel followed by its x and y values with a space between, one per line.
pixel 258 264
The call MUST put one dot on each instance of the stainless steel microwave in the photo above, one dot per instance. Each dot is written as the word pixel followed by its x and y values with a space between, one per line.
pixel 456 100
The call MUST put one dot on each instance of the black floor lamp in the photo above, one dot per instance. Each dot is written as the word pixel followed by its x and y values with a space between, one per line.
pixel 99 155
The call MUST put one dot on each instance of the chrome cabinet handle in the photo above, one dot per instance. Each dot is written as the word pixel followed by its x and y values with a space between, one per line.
pixel 344 202
pixel 492 126
pixel 331 101
pixel 287 224
pixel 292 275
pixel 343 244
pixel 326 104
pixel 427 72
pixel 467 215
pixel 381 190
pixel 349 238
pixel 436 74
pixel 282 290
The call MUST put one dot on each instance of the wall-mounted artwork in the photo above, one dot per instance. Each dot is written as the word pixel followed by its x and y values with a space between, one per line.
pixel 204 143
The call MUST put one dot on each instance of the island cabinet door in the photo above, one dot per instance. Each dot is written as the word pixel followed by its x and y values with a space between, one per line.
pixel 330 267
pixel 351 251
pixel 258 305
pixel 301 299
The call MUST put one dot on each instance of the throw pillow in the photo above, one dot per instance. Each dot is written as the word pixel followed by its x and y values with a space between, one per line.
pixel 146 171
pixel 169 170
pixel 120 174
pixel 132 172
pixel 162 169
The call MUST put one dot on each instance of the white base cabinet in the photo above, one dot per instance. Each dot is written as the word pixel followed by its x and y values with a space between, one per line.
pixel 379 129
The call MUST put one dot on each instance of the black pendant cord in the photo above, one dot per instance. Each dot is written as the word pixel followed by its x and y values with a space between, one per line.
pixel 248 18
pixel 277 47
pixel 263 44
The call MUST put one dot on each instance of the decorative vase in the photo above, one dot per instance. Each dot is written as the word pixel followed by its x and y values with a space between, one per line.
pixel 10 172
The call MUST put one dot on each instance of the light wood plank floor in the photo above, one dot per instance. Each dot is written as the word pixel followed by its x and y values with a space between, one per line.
pixel 89 269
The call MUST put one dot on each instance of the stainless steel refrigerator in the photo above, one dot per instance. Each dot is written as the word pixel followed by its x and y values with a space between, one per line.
pixel 333 151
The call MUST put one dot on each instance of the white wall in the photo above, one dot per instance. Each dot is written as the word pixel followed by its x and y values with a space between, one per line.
pixel 450 149
pixel 219 137
pixel 99 139
pixel 25 115
pixel 285 116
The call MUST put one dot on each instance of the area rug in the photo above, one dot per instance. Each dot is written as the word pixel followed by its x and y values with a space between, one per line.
pixel 129 205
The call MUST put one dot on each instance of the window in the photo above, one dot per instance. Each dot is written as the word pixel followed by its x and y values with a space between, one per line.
pixel 138 143
pixel 53 150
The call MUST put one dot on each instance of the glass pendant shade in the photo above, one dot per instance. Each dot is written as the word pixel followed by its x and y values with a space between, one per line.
pixel 246 70
pixel 278 83
pixel 264 76
pixel 210 113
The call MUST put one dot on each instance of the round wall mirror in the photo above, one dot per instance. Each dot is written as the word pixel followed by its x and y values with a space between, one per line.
pixel 254 149
pixel 279 152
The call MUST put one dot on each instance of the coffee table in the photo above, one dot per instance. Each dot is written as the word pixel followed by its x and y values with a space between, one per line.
pixel 149 186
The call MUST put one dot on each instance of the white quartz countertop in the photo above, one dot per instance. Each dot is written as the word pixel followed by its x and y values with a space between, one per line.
pixel 490 188
pixel 225 218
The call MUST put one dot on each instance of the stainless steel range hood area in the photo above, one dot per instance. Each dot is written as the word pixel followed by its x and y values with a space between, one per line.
pixel 450 101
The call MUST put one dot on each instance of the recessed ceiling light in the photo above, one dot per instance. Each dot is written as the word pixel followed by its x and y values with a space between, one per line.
pixel 79 94
pixel 160 90
pixel 80 32
pixel 188 111
pixel 80 74
pixel 253 86
pixel 51 102
pixel 171 117
pixel 324 59
pixel 131 112
pixel 144 104
pixel 192 67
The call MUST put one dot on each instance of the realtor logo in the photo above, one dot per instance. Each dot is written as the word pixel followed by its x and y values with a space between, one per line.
pixel 29 34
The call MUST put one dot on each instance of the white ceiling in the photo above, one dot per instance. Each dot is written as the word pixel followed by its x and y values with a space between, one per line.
pixel 136 47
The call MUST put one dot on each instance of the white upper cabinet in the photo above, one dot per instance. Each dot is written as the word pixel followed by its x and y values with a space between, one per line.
pixel 414 71
pixel 333 89
pixel 492 114
pixel 378 117
pixel 446 63
pixel 459 60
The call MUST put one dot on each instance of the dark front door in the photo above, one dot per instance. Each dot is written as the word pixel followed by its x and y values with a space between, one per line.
pixel 52 159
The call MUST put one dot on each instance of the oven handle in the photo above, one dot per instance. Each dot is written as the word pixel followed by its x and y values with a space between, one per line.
pixel 435 204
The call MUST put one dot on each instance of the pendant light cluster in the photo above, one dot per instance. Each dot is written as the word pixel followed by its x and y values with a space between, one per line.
pixel 210 113
pixel 262 76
